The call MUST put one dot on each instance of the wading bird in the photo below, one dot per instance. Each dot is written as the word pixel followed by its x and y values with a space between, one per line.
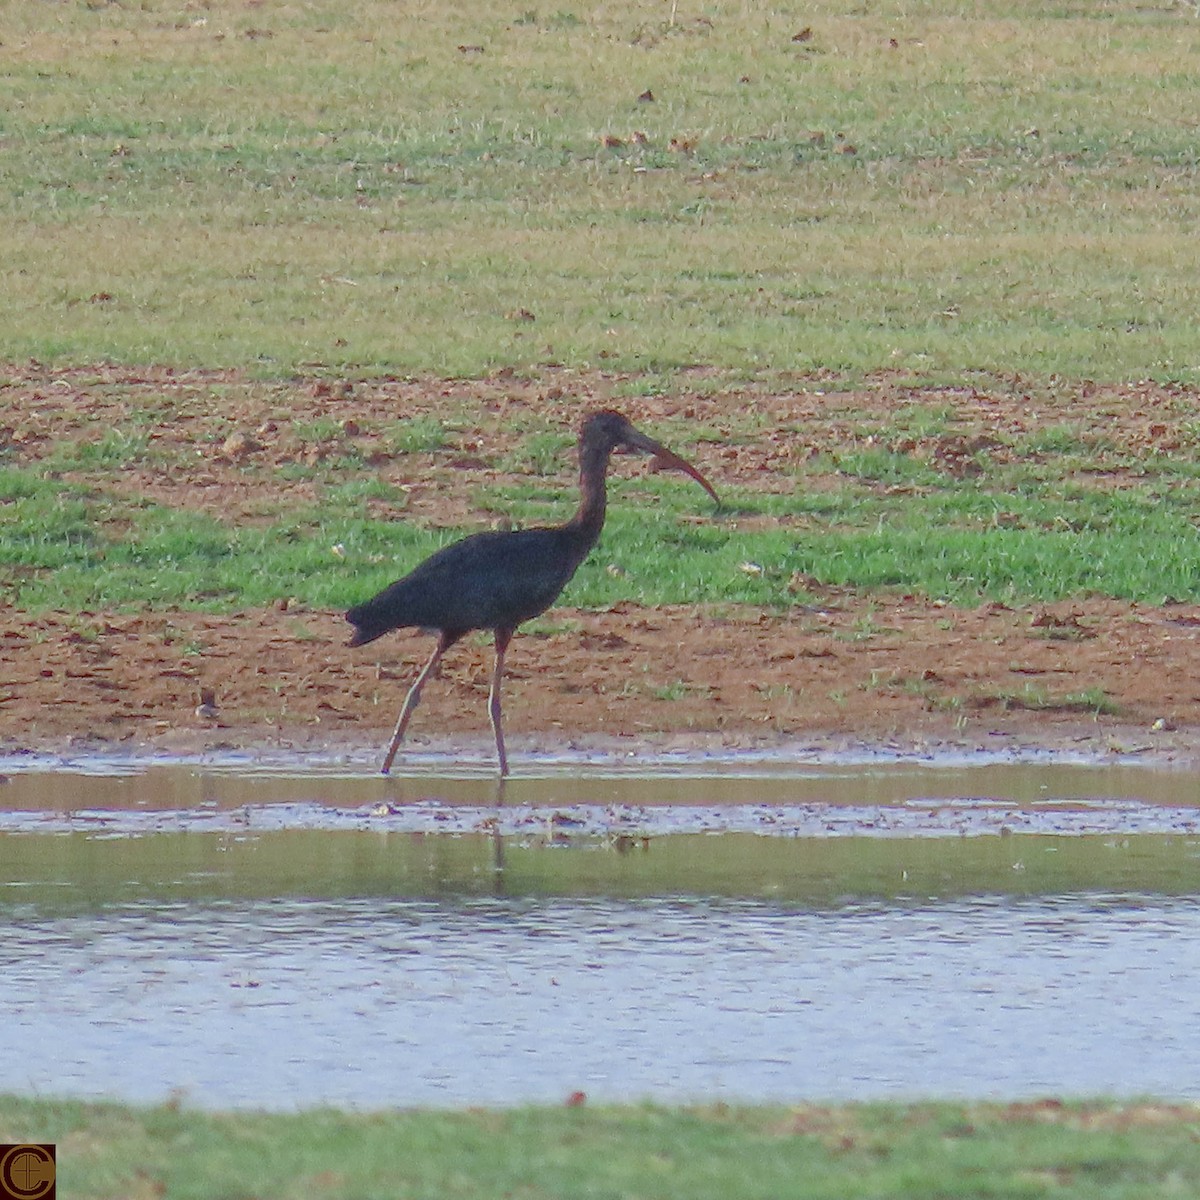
pixel 497 581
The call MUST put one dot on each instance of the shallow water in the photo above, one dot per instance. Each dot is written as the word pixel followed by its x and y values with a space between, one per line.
pixel 299 933
pixel 484 1001
pixel 230 780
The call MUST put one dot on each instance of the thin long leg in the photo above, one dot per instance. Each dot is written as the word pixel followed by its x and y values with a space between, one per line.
pixel 414 698
pixel 503 637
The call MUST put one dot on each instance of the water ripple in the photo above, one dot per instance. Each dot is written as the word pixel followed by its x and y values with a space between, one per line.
pixel 486 1000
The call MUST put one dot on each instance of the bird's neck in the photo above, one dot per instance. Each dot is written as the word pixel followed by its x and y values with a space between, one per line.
pixel 589 516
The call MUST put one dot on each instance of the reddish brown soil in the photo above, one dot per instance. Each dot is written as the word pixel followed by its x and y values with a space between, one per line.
pixel 891 669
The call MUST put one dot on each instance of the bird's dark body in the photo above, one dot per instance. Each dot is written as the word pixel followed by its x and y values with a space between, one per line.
pixel 486 581
pixel 497 581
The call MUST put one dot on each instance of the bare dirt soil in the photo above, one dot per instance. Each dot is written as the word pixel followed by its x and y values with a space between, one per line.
pixel 897 670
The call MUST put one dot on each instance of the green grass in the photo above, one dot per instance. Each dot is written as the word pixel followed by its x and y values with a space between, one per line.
pixel 1094 701
pixel 919 1151
pixel 1022 529
pixel 352 184
pixel 417 435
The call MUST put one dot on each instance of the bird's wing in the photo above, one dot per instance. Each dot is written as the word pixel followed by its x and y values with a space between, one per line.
pixel 487 581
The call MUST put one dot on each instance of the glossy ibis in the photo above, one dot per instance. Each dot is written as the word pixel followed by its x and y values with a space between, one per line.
pixel 498 580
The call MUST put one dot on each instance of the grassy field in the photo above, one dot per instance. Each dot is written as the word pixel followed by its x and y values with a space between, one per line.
pixel 109 507
pixel 941 189
pixel 1001 196
pixel 917 1151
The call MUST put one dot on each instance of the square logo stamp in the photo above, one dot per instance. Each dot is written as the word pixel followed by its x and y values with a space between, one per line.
pixel 27 1171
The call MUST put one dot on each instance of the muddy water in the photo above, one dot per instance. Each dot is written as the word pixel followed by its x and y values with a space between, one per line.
pixel 279 935
pixel 231 780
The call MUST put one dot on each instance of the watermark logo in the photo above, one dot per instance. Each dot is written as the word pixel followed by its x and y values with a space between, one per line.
pixel 27 1172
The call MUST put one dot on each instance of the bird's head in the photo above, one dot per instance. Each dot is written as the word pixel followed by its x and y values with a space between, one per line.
pixel 607 430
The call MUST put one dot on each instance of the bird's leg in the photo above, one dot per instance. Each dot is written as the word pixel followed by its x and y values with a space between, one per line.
pixel 503 637
pixel 414 698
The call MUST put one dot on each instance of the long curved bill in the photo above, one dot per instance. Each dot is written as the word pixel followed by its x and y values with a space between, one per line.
pixel 668 460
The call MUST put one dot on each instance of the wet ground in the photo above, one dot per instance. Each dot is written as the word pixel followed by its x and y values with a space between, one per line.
pixel 243 930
